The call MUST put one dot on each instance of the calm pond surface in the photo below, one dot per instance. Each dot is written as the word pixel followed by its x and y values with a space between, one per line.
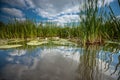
pixel 61 63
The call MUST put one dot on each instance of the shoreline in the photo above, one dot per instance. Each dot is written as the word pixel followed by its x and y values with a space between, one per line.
pixel 56 40
pixel 12 43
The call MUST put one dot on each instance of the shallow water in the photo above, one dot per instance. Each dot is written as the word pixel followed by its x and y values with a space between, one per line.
pixel 60 63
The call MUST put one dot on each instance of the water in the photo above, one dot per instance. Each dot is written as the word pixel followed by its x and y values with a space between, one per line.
pixel 60 63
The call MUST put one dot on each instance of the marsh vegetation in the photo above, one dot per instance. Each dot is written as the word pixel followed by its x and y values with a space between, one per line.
pixel 86 50
pixel 97 27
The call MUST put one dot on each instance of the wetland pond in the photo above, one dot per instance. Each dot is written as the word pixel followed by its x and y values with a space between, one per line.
pixel 48 62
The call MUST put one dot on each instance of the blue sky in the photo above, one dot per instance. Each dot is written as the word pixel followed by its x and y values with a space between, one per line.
pixel 60 11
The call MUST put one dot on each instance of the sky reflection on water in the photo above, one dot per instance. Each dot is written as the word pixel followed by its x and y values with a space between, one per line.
pixel 59 63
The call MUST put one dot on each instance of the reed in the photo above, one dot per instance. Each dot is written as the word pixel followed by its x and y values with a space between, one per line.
pixel 95 28
pixel 97 25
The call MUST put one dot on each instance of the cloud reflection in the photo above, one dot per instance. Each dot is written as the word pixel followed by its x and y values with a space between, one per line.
pixel 59 63
pixel 50 64
pixel 17 52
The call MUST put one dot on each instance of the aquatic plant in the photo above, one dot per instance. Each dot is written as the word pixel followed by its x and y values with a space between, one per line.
pixel 92 23
pixel 98 25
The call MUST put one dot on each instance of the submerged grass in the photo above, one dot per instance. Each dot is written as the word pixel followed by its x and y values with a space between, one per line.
pixel 9 46
pixel 32 43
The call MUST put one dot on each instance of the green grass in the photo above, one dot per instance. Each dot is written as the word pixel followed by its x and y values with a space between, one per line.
pixel 97 27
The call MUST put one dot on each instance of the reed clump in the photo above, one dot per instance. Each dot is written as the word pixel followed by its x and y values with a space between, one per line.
pixel 98 25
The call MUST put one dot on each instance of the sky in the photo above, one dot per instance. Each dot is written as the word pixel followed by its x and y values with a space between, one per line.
pixel 60 11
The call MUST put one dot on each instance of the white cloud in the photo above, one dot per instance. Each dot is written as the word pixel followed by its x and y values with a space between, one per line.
pixel 15 3
pixel 61 20
pixel 13 12
pixel 29 3
pixel 53 8
pixel 106 2
pixel 21 19
pixel 118 16
pixel 50 9
pixel 58 10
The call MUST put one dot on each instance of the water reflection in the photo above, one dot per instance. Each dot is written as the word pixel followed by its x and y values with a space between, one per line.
pixel 96 64
pixel 48 64
pixel 60 63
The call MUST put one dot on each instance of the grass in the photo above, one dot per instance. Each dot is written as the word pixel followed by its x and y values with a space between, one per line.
pixel 113 42
pixel 95 28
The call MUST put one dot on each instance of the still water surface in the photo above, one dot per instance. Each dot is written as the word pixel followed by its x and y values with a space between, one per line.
pixel 60 63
